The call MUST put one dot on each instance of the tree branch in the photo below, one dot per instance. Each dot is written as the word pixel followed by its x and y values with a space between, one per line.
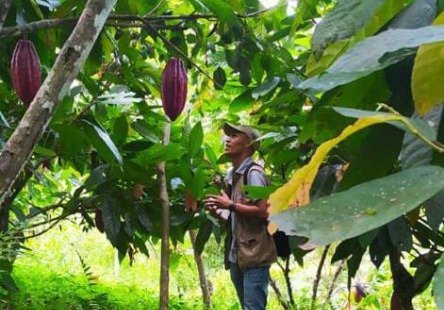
pixel 54 23
pixel 71 59
pixel 174 47
pixel 4 9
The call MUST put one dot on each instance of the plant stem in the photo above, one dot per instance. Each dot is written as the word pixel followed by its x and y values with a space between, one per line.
pixel 165 218
pixel 204 284
pixel 318 276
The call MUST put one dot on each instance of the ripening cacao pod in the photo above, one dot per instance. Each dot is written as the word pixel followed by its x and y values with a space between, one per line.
pixel 137 191
pixel 174 88
pixel 360 292
pixel 190 203
pixel 100 225
pixel 25 71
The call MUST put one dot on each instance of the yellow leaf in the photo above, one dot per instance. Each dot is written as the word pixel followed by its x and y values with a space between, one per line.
pixel 427 76
pixel 295 192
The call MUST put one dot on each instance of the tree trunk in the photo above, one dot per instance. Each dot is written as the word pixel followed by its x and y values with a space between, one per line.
pixel 204 285
pixel 19 147
pixel 165 249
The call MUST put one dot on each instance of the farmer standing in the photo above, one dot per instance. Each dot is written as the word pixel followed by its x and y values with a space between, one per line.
pixel 249 248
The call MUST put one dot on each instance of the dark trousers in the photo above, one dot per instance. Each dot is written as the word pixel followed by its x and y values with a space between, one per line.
pixel 251 286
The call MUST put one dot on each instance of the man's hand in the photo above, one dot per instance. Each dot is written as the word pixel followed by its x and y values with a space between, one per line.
pixel 221 201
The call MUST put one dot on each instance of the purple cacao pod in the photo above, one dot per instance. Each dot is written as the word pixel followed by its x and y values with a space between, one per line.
pixel 174 88
pixel 25 71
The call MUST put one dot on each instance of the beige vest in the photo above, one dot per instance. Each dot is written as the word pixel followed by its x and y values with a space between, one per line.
pixel 255 246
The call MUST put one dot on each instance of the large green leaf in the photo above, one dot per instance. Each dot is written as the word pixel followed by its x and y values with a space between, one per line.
pixel 427 77
pixel 363 207
pixel 102 142
pixel 371 55
pixel 195 140
pixel 438 286
pixel 160 152
pixel 342 34
pixel 204 233
pixel 111 218
pixel 414 151
pixel 342 22
pixel 266 87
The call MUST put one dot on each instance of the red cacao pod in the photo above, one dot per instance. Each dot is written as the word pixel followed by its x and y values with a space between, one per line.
pixel 174 88
pixel 25 71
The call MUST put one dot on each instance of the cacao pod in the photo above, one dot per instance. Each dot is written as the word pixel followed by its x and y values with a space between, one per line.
pixel 174 88
pixel 25 71
pixel 360 292
pixel 100 225
pixel 137 191
pixel 190 203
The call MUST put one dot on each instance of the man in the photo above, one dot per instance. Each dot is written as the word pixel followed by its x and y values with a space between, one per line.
pixel 249 249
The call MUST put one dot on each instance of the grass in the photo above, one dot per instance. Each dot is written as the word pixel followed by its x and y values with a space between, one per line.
pixel 51 276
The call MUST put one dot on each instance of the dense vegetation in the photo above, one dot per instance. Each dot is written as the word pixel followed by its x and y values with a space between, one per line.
pixel 96 143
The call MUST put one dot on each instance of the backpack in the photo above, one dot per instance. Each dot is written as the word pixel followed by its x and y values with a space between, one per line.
pixel 281 239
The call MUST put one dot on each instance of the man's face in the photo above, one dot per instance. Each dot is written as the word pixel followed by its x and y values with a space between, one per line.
pixel 236 144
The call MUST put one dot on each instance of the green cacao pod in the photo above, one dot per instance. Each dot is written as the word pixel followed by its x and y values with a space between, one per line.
pixel 25 71
pixel 174 88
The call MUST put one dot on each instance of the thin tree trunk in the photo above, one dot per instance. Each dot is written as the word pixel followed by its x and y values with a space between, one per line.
pixel 278 294
pixel 165 203
pixel 318 276
pixel 206 294
pixel 19 147
pixel 333 282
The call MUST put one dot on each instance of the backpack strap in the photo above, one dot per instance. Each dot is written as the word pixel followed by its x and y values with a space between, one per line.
pixel 250 167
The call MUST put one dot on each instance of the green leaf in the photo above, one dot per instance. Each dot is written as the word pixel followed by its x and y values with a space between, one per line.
pixel 72 140
pixel 144 218
pixel 120 129
pixel 259 191
pixel 265 87
pixel 434 210
pixel 342 22
pixel 400 234
pixel 427 77
pixel 102 142
pixel 142 129
pixel 210 154
pixel 242 102
pixel 364 58
pixel 222 10
pixel 204 233
pixel 438 286
pixel 420 125
pixel 195 139
pixel 363 207
pixel 414 151
pixel 111 218
pixel 219 78
pixel 198 184
pixel 160 152
pixel 98 176
pixel 344 35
